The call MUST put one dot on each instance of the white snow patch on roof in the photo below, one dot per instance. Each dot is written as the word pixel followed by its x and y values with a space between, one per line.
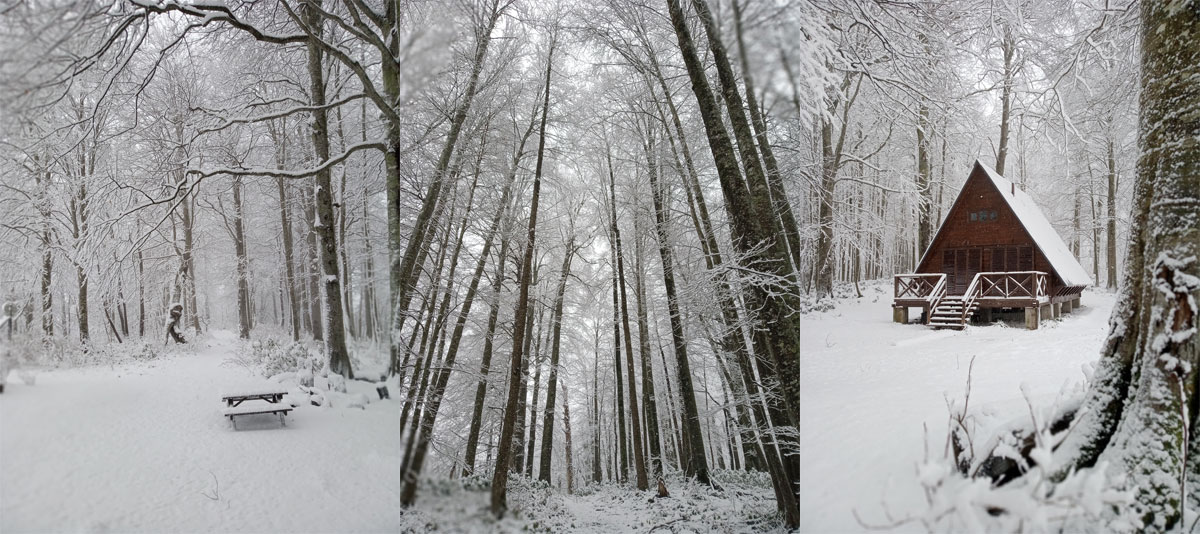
pixel 1040 229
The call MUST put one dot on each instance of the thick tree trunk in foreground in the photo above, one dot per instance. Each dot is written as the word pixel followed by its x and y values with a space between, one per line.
pixel 1134 413
pixel 499 497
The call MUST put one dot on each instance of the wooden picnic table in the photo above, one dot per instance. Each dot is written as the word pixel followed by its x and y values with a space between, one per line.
pixel 273 397
pixel 270 394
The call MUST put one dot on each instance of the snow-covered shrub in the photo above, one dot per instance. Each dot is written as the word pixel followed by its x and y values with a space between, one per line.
pixel 336 382
pixel 999 479
pixel 269 357
pixel 145 352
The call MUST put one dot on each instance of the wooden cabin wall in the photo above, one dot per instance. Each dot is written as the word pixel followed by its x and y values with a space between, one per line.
pixel 960 232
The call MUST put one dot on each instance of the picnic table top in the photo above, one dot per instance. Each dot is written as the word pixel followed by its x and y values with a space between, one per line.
pixel 253 391
pixel 247 409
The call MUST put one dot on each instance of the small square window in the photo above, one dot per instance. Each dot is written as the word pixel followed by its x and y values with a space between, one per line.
pixel 993 215
pixel 974 216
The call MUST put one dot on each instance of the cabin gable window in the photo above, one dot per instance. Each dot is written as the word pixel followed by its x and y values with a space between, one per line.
pixel 983 215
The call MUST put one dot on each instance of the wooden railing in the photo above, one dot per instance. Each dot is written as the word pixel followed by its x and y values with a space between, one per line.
pixel 1019 284
pixel 928 287
pixel 919 286
pixel 1005 285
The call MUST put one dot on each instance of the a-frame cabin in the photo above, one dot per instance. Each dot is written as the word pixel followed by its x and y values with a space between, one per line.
pixel 995 250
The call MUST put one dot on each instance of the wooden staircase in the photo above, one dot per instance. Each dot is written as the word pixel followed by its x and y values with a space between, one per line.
pixel 949 313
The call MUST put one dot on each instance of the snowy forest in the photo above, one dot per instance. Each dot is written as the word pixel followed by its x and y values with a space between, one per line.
pixel 512 265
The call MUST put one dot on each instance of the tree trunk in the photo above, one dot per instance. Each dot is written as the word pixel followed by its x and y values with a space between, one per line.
pixel 1111 220
pixel 79 229
pixel 649 400
pixel 493 315
pixel 518 441
pixel 696 464
pixel 141 294
pixel 619 416
pixel 407 269
pixel 552 380
pixel 597 474
pixel 243 262
pixel 567 443
pixel 779 347
pixel 1134 414
pixel 189 260
pixel 343 225
pixel 279 138
pixel 499 493
pixel 639 458
pixel 1007 49
pixel 485 363
pixel 334 330
pixel 779 198
pixel 47 240
pixel 924 180
pixel 533 406
pixel 732 340
pixel 367 295
pixel 1076 221
pixel 312 262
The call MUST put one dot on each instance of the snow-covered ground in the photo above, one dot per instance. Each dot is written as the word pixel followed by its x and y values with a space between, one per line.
pixel 143 447
pixel 868 386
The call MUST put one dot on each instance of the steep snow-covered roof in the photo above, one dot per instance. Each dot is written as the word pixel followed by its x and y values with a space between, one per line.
pixel 1043 234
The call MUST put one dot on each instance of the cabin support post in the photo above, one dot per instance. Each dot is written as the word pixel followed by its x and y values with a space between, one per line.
pixel 1056 310
pixel 1067 306
pixel 900 314
pixel 1031 317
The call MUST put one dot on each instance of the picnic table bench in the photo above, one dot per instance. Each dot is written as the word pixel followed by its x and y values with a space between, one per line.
pixel 272 397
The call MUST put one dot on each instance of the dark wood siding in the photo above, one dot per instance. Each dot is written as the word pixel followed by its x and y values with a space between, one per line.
pixel 981 233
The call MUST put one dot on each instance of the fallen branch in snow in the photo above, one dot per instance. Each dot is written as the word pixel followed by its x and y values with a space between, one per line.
pixel 664 525
pixel 216 492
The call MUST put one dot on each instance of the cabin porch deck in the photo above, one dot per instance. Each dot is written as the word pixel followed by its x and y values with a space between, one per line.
pixel 988 291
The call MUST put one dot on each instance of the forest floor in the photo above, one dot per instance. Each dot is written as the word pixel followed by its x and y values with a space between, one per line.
pixel 142 446
pixel 874 397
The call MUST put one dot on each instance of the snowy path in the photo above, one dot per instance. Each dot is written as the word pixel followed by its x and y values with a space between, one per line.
pixel 868 385
pixel 131 449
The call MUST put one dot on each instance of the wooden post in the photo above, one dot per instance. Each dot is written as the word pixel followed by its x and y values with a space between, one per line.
pixel 900 314
pixel 1031 317
pixel 1056 310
